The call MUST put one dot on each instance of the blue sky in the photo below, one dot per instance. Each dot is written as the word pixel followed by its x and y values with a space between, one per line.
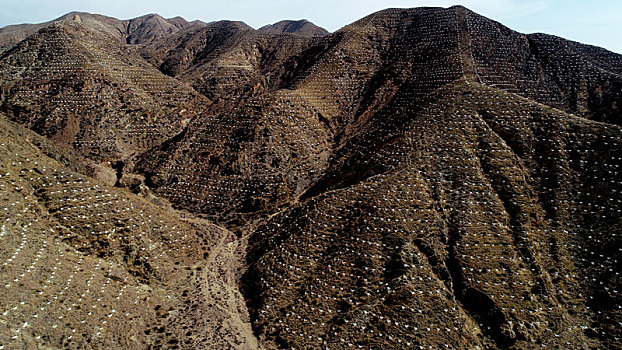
pixel 597 22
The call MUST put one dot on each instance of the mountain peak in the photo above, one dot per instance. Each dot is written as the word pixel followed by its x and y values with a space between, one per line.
pixel 299 27
pixel 421 178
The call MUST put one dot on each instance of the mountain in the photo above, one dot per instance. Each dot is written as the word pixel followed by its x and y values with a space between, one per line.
pixel 87 263
pixel 577 78
pixel 138 30
pixel 470 224
pixel 88 91
pixel 334 155
pixel 330 97
pixel 420 178
pixel 300 27
pixel 227 61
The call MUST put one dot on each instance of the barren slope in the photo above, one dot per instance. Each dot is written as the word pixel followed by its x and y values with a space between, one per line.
pixel 85 265
pixel 483 221
pixel 263 151
pixel 421 178
pixel 138 30
pixel 89 92
pixel 226 61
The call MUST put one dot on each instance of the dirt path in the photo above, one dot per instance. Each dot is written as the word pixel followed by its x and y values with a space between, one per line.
pixel 221 274
pixel 225 316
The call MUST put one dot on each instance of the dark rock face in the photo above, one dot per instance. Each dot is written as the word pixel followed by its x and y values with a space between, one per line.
pixel 421 178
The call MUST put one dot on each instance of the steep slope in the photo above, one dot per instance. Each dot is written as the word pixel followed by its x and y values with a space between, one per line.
pixel 344 87
pixel 145 29
pixel 226 61
pixel 577 78
pixel 13 34
pixel 176 53
pixel 265 150
pixel 86 91
pixel 85 265
pixel 485 221
pixel 363 65
pixel 300 27
pixel 240 165
pixel 593 90
pixel 251 64
pixel 138 30
pixel 421 178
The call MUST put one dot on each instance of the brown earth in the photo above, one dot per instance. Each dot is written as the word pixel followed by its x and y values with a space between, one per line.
pixel 89 265
pixel 422 178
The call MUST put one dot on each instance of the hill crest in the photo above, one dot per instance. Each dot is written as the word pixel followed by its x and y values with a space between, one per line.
pixel 421 178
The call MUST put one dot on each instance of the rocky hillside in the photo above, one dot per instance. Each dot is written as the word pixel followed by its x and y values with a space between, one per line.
pixel 88 265
pixel 87 91
pixel 577 78
pixel 333 99
pixel 422 178
pixel 138 30
pixel 473 224
pixel 226 61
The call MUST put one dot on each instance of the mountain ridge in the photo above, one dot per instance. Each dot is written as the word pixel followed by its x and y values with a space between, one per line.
pixel 138 30
pixel 420 178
